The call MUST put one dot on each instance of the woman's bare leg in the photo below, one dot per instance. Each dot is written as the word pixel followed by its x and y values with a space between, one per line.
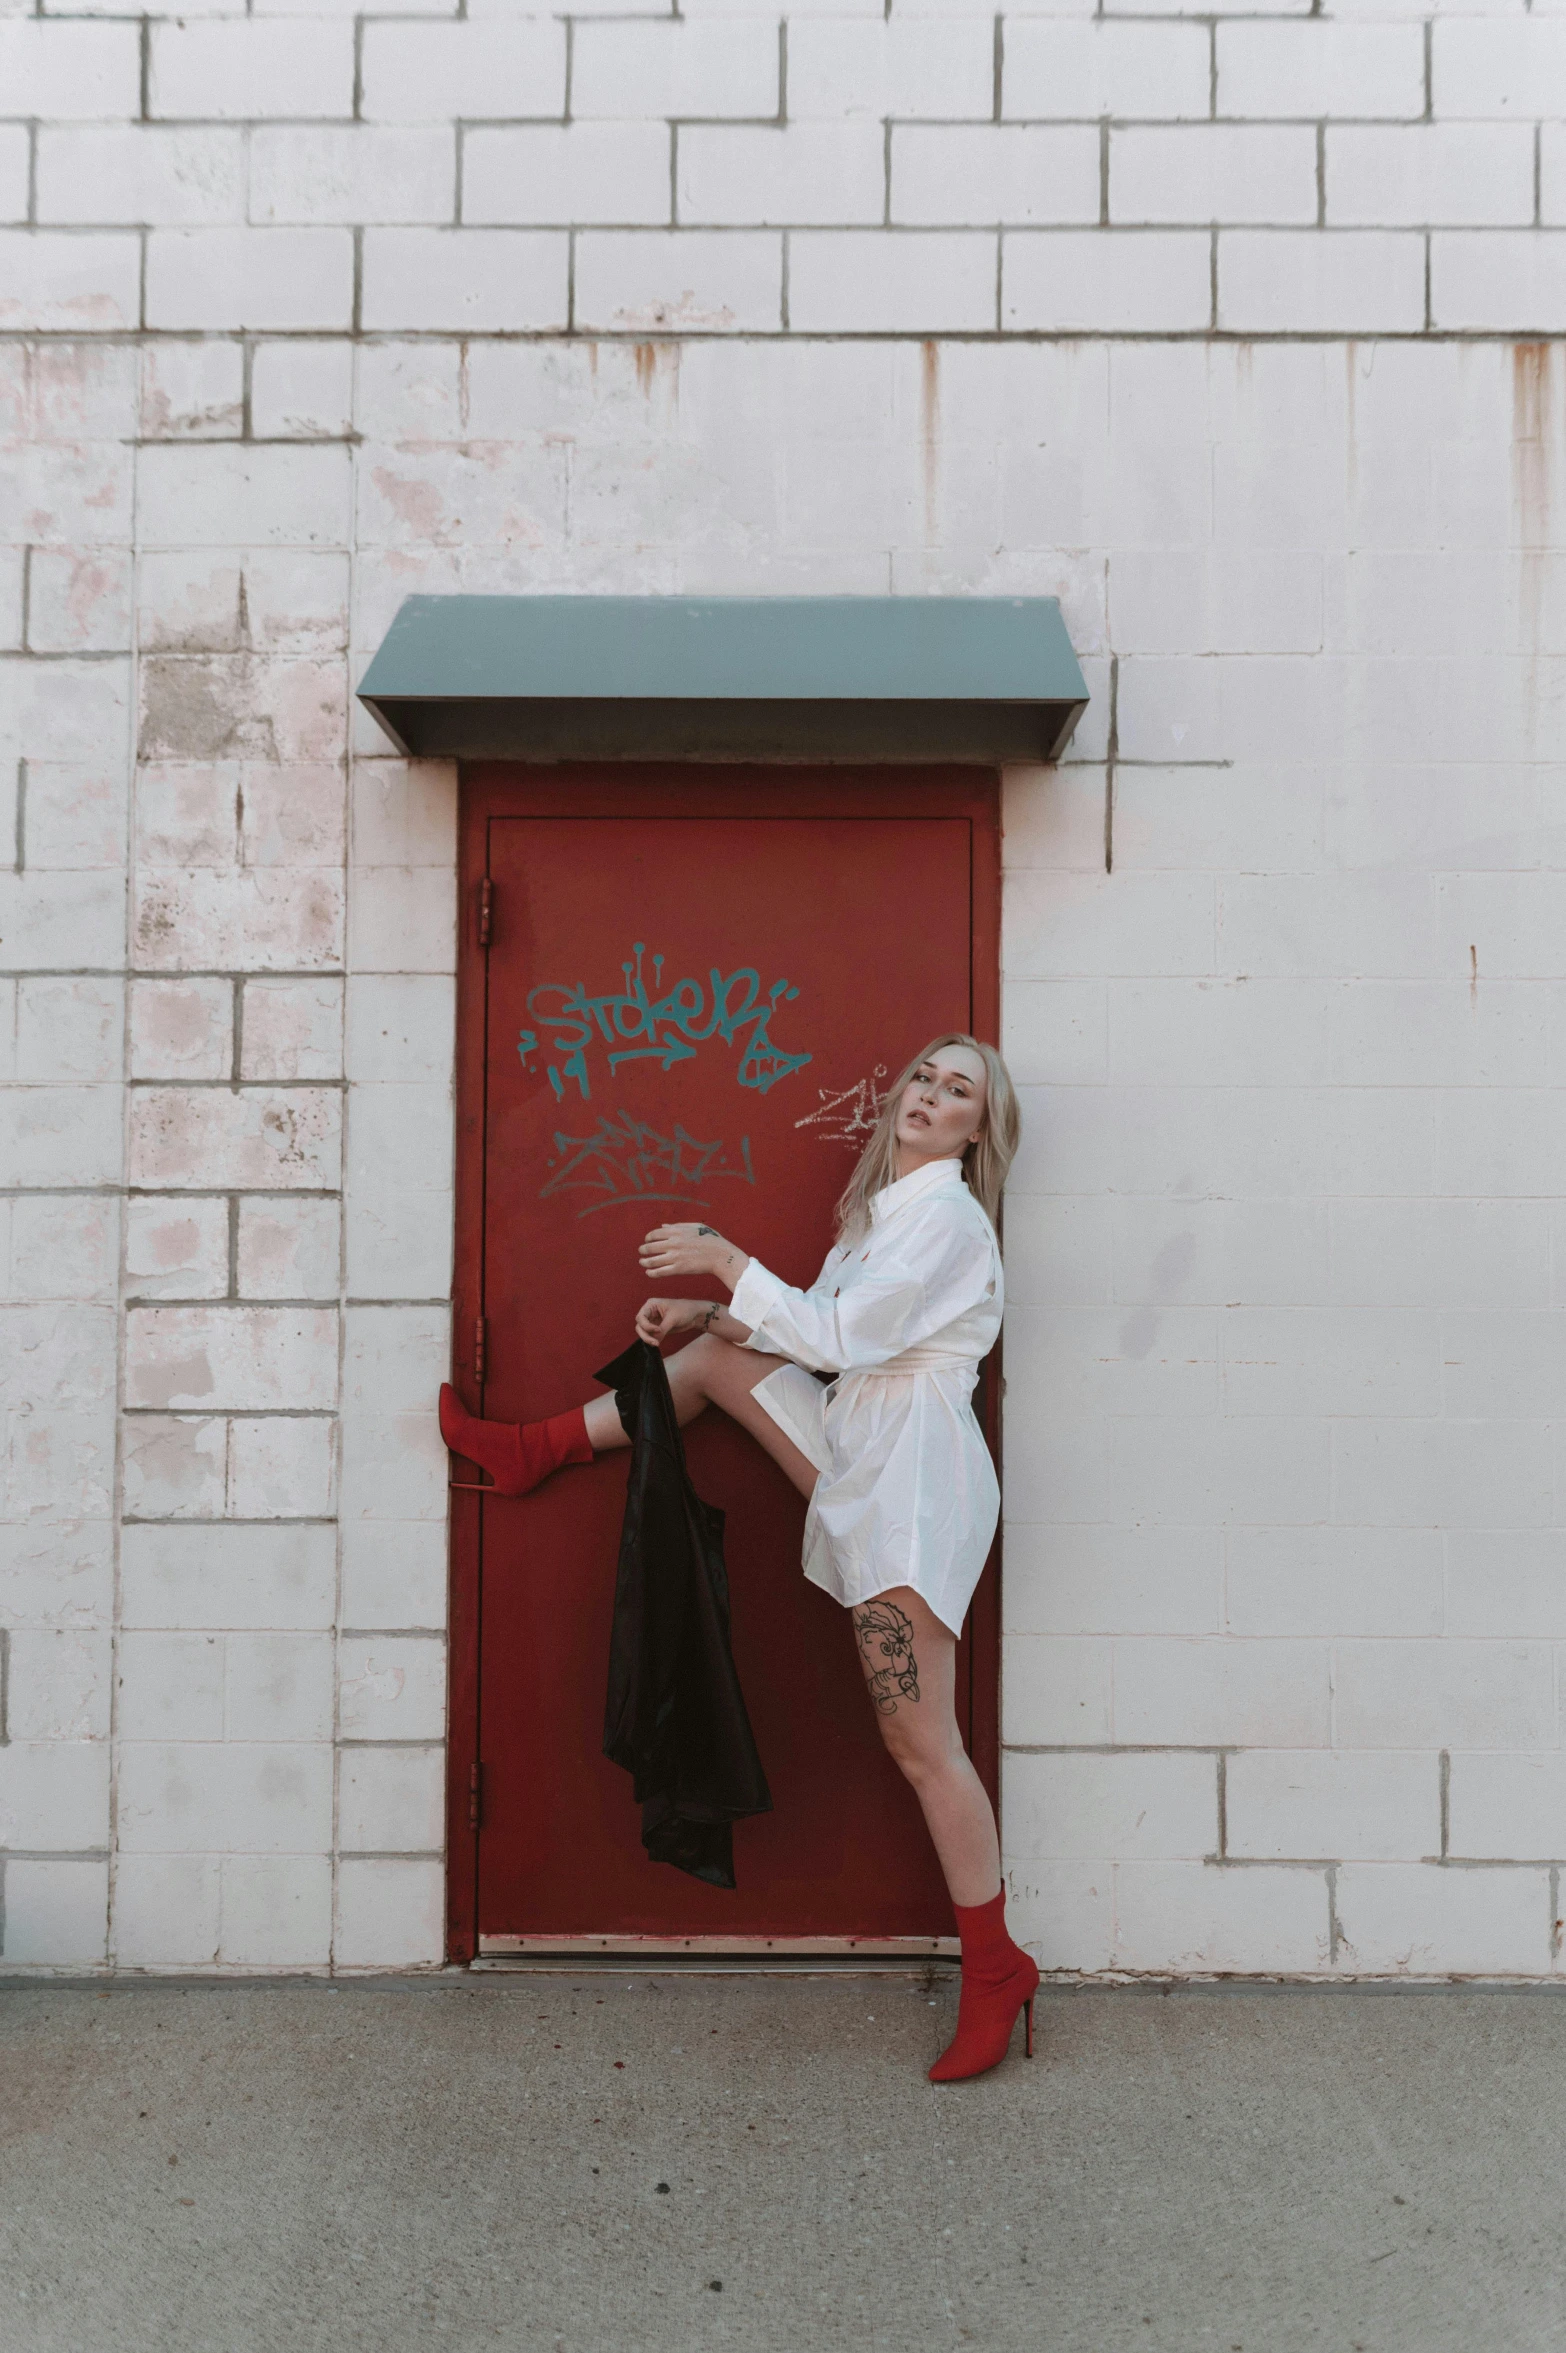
pixel 909 1661
pixel 709 1371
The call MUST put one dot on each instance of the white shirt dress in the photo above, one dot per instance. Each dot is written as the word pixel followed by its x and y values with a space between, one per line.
pixel 907 1493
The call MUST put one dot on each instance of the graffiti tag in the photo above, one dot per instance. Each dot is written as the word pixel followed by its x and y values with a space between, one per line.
pixel 847 1114
pixel 662 1025
pixel 626 1160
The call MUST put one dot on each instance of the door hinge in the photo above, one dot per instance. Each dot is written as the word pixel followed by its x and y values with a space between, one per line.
pixel 475 1797
pixel 486 906
pixel 480 1337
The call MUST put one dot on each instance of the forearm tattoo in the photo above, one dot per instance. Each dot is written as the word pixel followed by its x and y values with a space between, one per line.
pixel 711 1316
pixel 886 1632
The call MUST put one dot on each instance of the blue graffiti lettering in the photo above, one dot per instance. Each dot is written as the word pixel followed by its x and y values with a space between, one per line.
pixel 664 1026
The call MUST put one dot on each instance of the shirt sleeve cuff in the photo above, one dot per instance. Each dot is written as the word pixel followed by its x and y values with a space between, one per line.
pixel 757 1291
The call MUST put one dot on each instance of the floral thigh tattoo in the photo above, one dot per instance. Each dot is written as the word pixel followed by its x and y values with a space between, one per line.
pixel 886 1632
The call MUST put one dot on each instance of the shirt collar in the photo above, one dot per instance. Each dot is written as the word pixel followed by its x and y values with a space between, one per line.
pixel 933 1176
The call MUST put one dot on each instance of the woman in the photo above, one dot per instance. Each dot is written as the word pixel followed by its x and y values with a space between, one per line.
pixel 902 1492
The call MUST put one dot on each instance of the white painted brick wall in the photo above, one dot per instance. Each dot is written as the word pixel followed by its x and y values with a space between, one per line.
pixel 329 312
pixel 1060 67
pixel 1320 69
pixel 692 71
pixel 816 172
pixel 246 70
pixel 417 73
pixel 1021 175
pixel 134 172
pixel 1468 173
pixel 934 67
pixel 587 172
pixel 1217 172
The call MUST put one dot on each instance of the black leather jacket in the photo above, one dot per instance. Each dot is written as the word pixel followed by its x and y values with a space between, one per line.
pixel 675 1717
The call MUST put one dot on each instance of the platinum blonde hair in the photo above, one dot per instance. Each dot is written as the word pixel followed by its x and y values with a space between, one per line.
pixel 984 1164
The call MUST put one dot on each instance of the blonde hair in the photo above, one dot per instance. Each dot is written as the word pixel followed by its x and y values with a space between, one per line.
pixel 984 1164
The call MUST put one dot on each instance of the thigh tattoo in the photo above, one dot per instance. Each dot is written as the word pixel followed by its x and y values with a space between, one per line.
pixel 885 1631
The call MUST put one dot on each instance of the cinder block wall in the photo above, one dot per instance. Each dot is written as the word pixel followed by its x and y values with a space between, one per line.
pixel 1233 330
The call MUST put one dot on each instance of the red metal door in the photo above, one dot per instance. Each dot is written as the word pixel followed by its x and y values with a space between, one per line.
pixel 680 990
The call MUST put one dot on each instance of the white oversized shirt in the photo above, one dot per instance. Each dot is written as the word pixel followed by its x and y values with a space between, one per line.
pixel 907 1493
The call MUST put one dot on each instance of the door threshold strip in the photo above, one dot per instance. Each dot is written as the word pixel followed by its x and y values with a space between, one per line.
pixel 929 1967
pixel 572 1942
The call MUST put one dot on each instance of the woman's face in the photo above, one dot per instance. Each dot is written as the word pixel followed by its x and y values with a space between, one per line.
pixel 942 1107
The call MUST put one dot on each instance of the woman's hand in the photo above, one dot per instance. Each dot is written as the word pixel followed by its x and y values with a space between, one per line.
pixel 672 1253
pixel 658 1320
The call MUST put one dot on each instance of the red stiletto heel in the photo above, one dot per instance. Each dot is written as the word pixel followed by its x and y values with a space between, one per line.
pixel 518 1456
pixel 998 1980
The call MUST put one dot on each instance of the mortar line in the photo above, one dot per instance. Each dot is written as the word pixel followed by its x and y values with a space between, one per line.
pixel 1492 1862
pixel 1212 282
pixel 1429 70
pixel 1321 175
pixel 1444 1783
pixel 392 1854
pixel 350 840
pixel 1429 315
pixel 54 1854
pixel 964 337
pixel 222 1520
pixel 349 1741
pixel 1110 1748
pixel 117 1601
pixel 208 1413
pixel 1111 760
pixel 1270 1862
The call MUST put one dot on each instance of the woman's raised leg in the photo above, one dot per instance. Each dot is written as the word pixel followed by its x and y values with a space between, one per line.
pixel 710 1371
pixel 707 1371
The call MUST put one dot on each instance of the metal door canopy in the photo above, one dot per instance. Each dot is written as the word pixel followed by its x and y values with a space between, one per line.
pixel 846 678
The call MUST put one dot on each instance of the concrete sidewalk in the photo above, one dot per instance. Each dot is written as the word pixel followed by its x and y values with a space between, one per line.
pixel 579 2162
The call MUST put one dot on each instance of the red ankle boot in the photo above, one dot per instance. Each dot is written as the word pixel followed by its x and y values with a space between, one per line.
pixel 998 1980
pixel 519 1456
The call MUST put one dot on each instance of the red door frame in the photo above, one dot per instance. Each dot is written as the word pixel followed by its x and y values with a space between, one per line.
pixel 490 789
